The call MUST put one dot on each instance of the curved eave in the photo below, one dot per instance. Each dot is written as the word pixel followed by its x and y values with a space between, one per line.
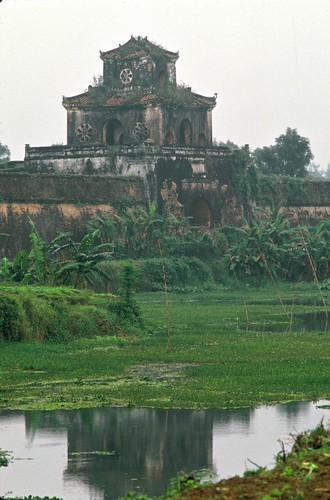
pixel 142 100
pixel 136 55
pixel 137 105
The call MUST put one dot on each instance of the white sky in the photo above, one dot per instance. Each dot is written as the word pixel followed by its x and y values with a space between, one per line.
pixel 268 61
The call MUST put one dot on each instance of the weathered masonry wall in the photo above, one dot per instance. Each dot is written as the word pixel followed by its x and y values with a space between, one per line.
pixel 302 201
pixel 137 160
pixel 134 160
pixel 58 203
pixel 306 214
pixel 26 187
pixel 66 202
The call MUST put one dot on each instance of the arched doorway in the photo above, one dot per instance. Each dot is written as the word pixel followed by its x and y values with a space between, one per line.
pixel 201 140
pixel 185 133
pixel 113 132
pixel 200 213
pixel 169 138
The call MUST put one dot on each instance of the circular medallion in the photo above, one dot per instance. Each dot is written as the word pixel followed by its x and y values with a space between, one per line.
pixel 141 132
pixel 84 132
pixel 126 75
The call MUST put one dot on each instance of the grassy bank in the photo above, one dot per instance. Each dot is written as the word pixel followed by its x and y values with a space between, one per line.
pixel 54 314
pixel 223 354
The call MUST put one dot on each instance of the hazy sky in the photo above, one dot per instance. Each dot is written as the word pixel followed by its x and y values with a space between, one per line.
pixel 268 61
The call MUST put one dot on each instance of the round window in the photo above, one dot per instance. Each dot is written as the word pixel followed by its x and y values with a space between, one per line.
pixel 126 75
pixel 141 132
pixel 84 132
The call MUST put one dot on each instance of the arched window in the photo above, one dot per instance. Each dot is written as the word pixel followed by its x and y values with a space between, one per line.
pixel 169 138
pixel 200 213
pixel 201 140
pixel 185 133
pixel 162 78
pixel 113 132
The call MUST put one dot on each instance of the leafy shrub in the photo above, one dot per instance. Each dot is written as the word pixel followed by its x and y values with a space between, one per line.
pixel 180 272
pixel 41 314
pixel 126 307
pixel 112 269
pixel 219 269
pixel 44 319
pixel 296 189
pixel 4 458
pixel 325 285
pixel 90 320
pixel 11 324
pixel 192 244
pixel 199 271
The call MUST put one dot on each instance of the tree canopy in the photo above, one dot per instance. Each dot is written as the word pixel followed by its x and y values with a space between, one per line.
pixel 290 155
pixel 4 155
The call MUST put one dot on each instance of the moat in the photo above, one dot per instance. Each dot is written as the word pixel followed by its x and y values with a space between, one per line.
pixel 103 453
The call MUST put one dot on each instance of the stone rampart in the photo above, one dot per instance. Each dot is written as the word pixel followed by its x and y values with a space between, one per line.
pixel 58 203
pixel 66 202
pixel 303 201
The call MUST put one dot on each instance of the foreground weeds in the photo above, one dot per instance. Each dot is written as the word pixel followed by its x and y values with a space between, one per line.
pixel 303 473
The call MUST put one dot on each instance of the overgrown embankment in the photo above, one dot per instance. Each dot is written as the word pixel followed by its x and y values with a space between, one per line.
pixel 38 314
pixel 302 473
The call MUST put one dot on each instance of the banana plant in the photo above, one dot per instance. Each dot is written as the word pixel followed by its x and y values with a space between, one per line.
pixel 43 257
pixel 6 269
pixel 80 267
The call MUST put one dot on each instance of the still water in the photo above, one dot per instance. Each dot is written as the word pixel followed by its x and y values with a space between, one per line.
pixel 59 453
pixel 307 322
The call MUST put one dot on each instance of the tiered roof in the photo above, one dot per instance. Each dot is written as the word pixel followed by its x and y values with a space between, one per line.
pixel 136 48
pixel 169 95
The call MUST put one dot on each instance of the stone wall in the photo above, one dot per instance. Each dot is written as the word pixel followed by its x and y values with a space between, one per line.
pixel 309 215
pixel 293 191
pixel 57 204
pixel 136 160
pixel 302 201
pixel 26 187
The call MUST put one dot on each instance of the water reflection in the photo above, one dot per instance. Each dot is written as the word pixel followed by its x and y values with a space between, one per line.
pixel 148 445
pixel 62 450
pixel 305 322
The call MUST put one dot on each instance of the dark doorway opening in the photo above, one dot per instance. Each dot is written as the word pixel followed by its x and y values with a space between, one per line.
pixel 200 213
pixel 113 133
pixel 201 140
pixel 185 133
pixel 169 139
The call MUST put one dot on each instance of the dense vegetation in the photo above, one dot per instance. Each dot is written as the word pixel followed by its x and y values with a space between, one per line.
pixel 290 155
pixel 54 314
pixel 256 251
pixel 4 155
